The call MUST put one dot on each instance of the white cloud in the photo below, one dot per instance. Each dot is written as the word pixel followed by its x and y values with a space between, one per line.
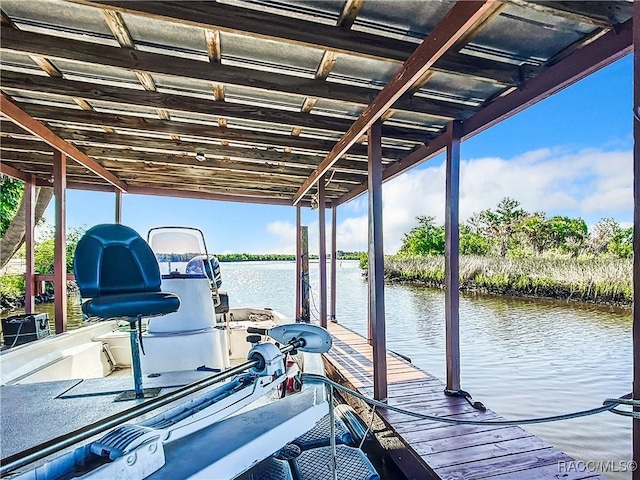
pixel 591 183
pixel 285 233
pixel 576 183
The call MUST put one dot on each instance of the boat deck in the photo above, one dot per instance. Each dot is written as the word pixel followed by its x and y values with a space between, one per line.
pixel 35 413
pixel 426 449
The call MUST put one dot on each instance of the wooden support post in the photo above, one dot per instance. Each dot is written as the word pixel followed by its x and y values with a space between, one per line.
pixel 118 206
pixel 322 234
pixel 298 282
pixel 304 276
pixel 60 247
pixel 376 264
pixel 334 262
pixel 451 256
pixel 29 226
pixel 636 233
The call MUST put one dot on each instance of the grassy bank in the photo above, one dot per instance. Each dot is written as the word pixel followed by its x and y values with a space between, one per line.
pixel 602 280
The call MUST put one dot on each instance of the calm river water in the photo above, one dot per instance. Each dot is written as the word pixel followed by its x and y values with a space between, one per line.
pixel 520 357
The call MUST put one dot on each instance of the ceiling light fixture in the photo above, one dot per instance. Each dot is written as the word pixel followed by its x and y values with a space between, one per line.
pixel 200 156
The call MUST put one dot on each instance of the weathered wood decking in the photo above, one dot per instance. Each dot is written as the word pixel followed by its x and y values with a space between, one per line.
pixel 424 449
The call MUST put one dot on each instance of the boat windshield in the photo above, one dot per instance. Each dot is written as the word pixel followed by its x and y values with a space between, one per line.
pixel 179 250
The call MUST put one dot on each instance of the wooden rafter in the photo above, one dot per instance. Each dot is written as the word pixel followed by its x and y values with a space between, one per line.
pixel 350 11
pixel 458 21
pixel 94 53
pixel 212 39
pixel 98 144
pixel 260 24
pixel 141 126
pixel 20 117
pixel 127 97
pixel 121 33
pixel 13 172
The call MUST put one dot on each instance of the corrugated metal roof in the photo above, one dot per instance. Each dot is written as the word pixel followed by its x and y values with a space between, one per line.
pixel 287 76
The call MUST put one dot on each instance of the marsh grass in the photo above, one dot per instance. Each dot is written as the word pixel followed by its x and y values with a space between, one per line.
pixel 600 280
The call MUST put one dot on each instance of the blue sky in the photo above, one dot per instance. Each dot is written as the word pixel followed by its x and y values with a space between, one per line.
pixel 570 154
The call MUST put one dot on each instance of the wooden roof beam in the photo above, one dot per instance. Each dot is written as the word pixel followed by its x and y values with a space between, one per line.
pixel 171 153
pixel 204 195
pixel 24 120
pixel 121 33
pixel 144 63
pixel 350 10
pixel 13 172
pixel 133 123
pixel 260 24
pixel 185 103
pixel 462 17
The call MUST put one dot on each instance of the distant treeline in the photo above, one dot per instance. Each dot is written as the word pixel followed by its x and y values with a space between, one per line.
pixel 252 257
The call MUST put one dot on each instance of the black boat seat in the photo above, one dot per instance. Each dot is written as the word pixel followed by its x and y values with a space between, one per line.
pixel 119 274
pixel 147 304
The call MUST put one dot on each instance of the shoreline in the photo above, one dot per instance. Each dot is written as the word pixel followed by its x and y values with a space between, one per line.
pixel 570 298
pixel 601 281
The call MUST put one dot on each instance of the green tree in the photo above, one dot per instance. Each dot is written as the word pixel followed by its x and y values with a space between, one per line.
pixel 426 238
pixel 536 231
pixel 44 250
pixel 567 234
pixel 601 235
pixel 621 245
pixel 10 194
pixel 502 223
pixel 473 243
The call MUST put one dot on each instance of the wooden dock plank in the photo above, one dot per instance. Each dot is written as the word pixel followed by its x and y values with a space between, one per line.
pixel 447 450
pixel 427 447
pixel 549 472
pixel 513 466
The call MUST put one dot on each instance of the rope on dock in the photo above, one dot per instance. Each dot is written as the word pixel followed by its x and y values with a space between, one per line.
pixel 609 405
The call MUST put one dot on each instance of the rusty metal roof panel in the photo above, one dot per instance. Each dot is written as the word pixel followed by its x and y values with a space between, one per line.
pixel 165 37
pixel 58 18
pixel 258 97
pixel 40 98
pixel 353 70
pixel 403 20
pixel 269 55
pixel 184 86
pixel 136 110
pixel 320 11
pixel 17 62
pixel 460 89
pixel 99 74
pixel 525 35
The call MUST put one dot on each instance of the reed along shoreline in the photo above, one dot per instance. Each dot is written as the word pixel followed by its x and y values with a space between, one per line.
pixel 595 280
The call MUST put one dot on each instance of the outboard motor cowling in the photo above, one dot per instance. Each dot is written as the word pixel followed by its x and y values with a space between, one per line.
pixel 209 266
